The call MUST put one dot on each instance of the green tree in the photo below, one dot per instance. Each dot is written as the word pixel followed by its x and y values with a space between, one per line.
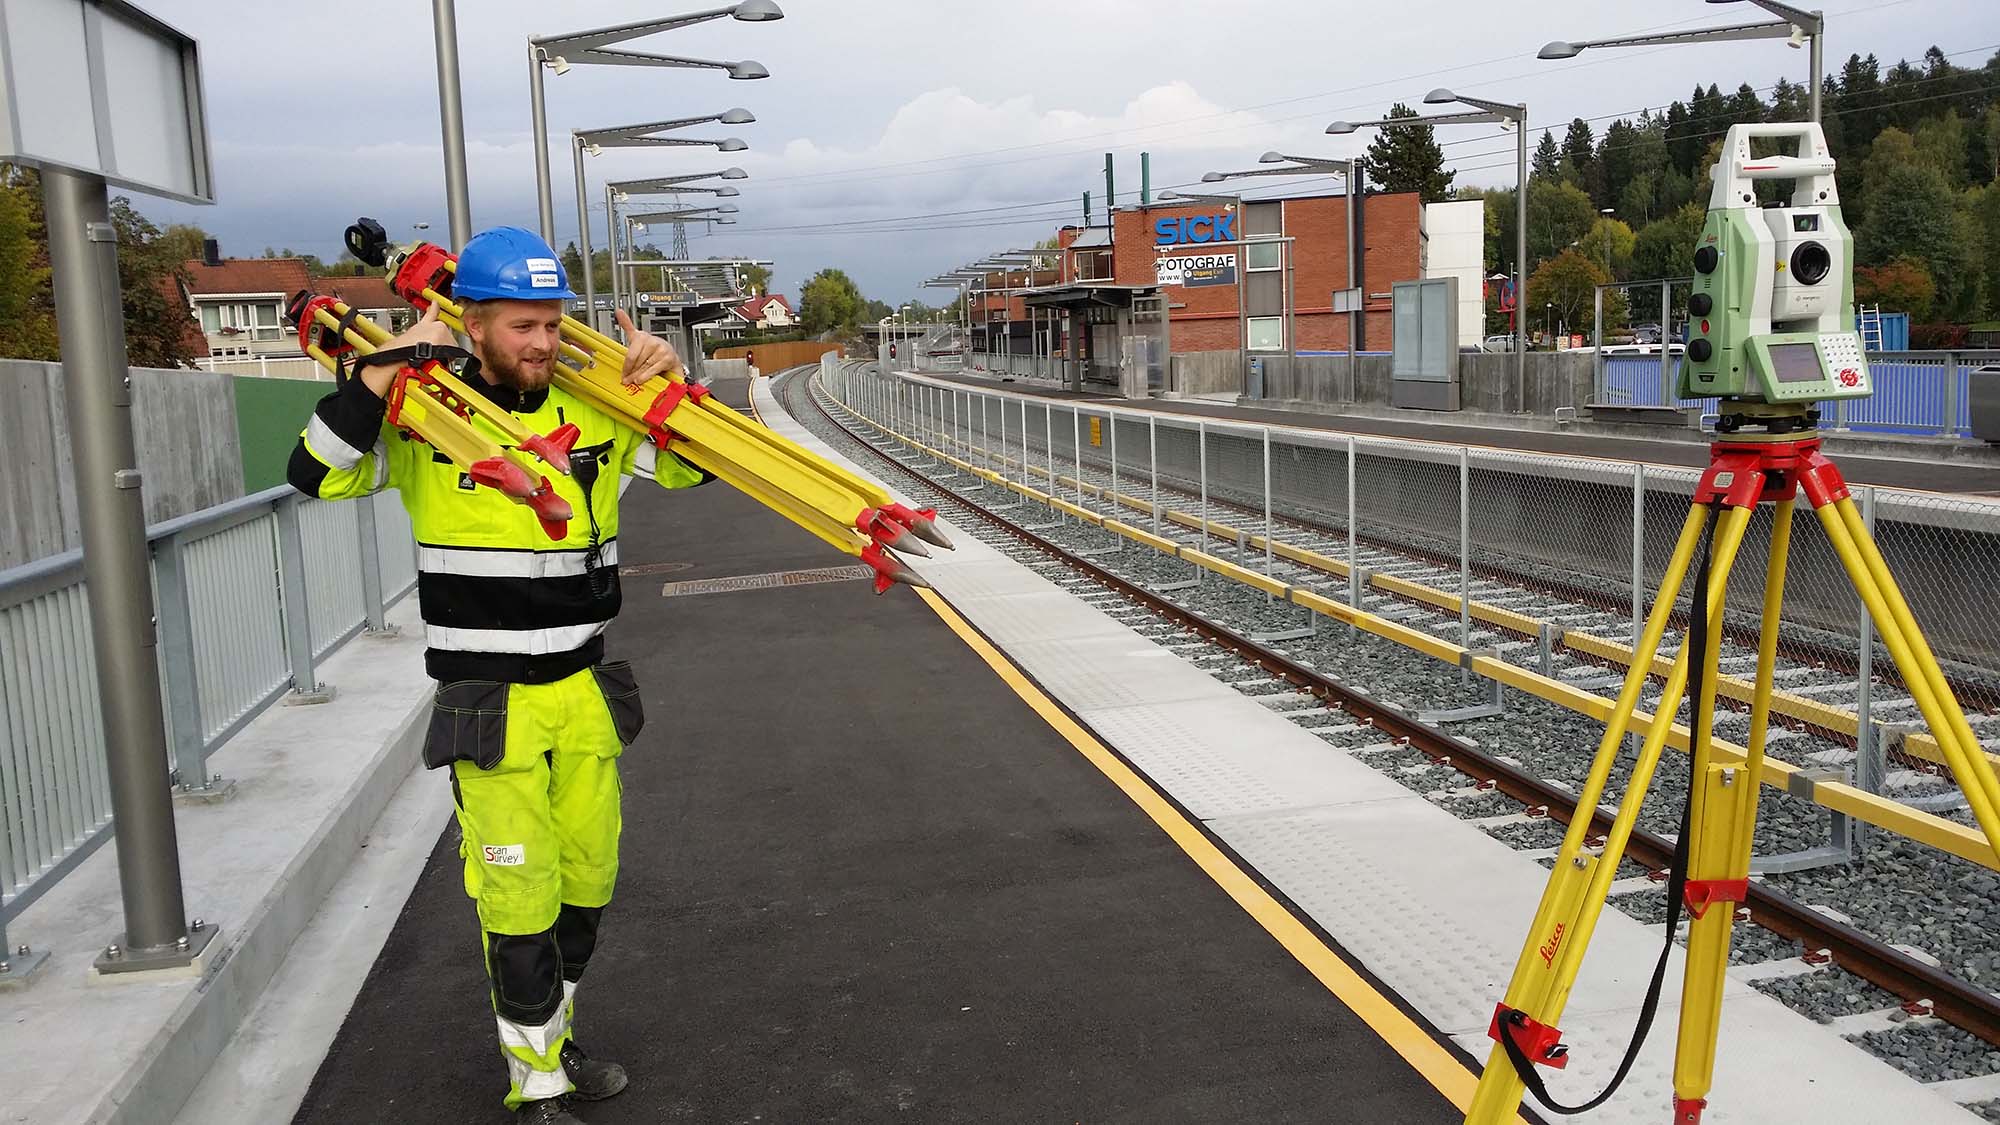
pixel 153 278
pixel 1408 158
pixel 754 279
pixel 27 315
pixel 1913 213
pixel 1547 162
pixel 1569 282
pixel 1665 246
pixel 1609 241
pixel 1983 212
pixel 829 301
pixel 1579 162
pixel 1940 144
pixel 1558 214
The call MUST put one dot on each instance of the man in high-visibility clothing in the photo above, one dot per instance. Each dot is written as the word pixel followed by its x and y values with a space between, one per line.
pixel 529 717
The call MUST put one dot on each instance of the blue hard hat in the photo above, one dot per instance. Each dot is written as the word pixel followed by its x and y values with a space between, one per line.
pixel 508 263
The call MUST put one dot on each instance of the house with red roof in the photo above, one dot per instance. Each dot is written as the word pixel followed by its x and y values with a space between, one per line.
pixel 768 313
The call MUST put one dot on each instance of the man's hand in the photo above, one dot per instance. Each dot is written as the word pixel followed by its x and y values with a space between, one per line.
pixel 646 355
pixel 427 330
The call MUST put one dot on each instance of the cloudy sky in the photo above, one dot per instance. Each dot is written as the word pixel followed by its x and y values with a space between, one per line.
pixel 899 138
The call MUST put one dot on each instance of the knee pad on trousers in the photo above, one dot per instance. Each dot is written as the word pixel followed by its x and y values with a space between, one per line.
pixel 576 938
pixel 526 970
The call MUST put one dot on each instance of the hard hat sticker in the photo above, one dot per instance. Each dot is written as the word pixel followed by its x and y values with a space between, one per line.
pixel 544 273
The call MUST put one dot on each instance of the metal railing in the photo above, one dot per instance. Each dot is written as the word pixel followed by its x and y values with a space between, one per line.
pixel 250 595
pixel 278 366
pixel 1924 393
pixel 1499 537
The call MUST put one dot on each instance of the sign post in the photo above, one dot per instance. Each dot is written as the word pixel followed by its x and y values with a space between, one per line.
pixel 99 92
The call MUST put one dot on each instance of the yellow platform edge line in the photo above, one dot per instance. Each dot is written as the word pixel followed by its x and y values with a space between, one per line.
pixel 1438 1066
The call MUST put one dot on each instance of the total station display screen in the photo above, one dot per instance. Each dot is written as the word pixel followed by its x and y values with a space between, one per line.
pixel 1803 223
pixel 1796 363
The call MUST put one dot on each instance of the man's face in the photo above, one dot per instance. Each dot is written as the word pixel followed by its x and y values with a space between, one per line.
pixel 517 341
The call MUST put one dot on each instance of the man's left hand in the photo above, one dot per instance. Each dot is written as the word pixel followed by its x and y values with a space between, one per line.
pixel 646 355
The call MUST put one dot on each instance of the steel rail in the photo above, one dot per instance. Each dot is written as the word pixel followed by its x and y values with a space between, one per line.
pixel 1914 981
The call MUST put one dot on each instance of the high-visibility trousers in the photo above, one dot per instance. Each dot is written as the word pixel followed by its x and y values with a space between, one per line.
pixel 535 779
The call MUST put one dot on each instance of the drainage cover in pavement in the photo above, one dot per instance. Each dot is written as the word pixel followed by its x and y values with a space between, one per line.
pixel 765 581
pixel 653 568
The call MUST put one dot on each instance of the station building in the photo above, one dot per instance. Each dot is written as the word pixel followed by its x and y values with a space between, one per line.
pixel 1265 276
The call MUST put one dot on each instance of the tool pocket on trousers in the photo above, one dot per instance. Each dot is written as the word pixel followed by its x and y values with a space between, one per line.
pixel 468 724
pixel 621 696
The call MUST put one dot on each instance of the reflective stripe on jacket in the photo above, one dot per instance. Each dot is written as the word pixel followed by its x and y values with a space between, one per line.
pixel 500 599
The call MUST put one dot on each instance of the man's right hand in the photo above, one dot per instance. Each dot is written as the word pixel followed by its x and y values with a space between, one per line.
pixel 427 330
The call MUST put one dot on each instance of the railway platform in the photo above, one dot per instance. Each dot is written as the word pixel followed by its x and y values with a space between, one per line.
pixel 1008 851
pixel 1899 462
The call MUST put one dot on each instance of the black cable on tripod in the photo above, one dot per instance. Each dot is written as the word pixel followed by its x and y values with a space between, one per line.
pixel 1695 646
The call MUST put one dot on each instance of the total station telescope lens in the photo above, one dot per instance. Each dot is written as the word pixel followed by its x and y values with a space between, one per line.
pixel 1811 263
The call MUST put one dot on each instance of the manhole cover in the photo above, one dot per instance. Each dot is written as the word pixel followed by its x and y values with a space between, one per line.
pixel 764 581
pixel 653 568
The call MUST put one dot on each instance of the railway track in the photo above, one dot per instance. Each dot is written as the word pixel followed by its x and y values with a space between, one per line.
pixel 1928 1015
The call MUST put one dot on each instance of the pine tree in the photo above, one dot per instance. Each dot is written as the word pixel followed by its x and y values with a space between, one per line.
pixel 1408 158
pixel 1614 165
pixel 1745 107
pixel 1682 148
pixel 1547 163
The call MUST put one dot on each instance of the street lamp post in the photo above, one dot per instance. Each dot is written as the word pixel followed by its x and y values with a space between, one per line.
pixel 1351 174
pixel 595 141
pixel 560 52
pixel 1792 24
pixel 1487 112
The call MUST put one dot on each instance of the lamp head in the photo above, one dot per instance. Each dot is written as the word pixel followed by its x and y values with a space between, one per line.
pixel 727 191
pixel 732 144
pixel 1273 157
pixel 1559 49
pixel 747 70
pixel 737 117
pixel 1440 96
pixel 1341 128
pixel 727 209
pixel 756 11
pixel 735 174
pixel 1212 177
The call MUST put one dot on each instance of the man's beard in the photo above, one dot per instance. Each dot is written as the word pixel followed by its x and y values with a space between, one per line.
pixel 520 376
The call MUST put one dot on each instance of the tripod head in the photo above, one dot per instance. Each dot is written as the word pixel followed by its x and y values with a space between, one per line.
pixel 1773 300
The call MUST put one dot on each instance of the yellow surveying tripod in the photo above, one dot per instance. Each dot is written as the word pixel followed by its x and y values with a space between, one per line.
pixel 1772 308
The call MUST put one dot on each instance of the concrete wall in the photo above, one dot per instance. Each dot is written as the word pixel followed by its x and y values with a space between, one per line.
pixel 185 433
pixel 1554 379
pixel 1206 373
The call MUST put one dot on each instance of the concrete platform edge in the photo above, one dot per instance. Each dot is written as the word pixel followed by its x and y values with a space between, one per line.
pixel 173 1063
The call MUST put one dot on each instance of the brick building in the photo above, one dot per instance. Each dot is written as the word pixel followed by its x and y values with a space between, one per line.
pixel 1226 278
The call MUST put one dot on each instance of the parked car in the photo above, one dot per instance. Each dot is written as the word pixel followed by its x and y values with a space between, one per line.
pixel 1497 344
pixel 1645 333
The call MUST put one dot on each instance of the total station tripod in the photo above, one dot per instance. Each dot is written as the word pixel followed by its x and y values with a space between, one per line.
pixel 1712 860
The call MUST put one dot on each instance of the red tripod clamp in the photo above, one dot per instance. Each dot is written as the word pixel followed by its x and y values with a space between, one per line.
pixel 424 266
pixel 1540 1042
pixel 666 403
pixel 1700 894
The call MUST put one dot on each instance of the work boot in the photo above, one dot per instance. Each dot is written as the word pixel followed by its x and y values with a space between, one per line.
pixel 595 1080
pixel 545 1111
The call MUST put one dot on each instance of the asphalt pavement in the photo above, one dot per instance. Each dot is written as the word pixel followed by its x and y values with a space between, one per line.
pixel 863 881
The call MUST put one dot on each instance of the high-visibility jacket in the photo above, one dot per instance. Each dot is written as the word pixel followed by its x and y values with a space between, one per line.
pixel 500 599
